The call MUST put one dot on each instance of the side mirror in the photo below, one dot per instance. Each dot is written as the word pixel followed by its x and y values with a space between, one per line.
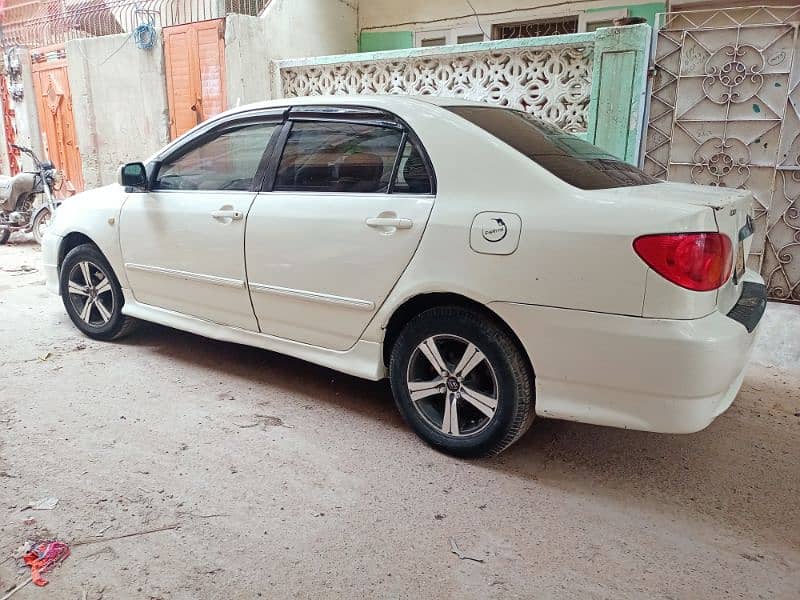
pixel 133 175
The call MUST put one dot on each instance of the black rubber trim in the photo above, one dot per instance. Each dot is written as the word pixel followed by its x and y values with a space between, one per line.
pixel 398 157
pixel 264 170
pixel 348 114
pixel 750 307
pixel 747 229
pixel 274 157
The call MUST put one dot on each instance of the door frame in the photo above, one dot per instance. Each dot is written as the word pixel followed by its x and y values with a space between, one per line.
pixel 213 280
pixel 361 115
pixel 195 82
pixel 56 151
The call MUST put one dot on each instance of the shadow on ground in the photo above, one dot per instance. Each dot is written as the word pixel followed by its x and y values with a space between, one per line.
pixel 740 473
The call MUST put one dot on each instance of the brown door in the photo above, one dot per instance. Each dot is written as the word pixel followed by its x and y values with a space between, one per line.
pixel 55 114
pixel 195 55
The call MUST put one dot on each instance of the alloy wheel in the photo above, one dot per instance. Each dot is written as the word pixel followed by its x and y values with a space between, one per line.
pixel 452 385
pixel 91 294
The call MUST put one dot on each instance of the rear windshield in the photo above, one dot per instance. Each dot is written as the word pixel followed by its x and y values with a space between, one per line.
pixel 569 158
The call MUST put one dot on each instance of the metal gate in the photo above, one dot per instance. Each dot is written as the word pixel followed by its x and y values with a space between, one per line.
pixel 725 111
pixel 56 122
pixel 194 55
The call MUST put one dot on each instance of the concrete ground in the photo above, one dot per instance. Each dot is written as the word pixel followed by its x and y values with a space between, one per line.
pixel 290 480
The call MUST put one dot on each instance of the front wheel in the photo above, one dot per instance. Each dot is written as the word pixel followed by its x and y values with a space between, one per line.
pixel 5 233
pixel 462 382
pixel 92 295
pixel 40 224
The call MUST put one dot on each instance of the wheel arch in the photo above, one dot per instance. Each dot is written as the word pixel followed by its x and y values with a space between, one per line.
pixel 415 305
pixel 73 240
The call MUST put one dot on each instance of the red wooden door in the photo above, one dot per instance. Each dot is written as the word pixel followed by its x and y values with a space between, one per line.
pixel 56 120
pixel 195 58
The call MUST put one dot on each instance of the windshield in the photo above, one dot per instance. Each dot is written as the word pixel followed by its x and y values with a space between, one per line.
pixel 569 158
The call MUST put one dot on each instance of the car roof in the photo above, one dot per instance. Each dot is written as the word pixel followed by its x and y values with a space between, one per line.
pixel 393 103
pixel 386 101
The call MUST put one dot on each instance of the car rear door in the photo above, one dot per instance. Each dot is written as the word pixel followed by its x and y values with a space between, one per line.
pixel 345 204
pixel 183 240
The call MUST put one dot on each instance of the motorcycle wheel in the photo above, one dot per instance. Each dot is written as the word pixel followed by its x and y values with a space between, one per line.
pixel 40 224
pixel 5 233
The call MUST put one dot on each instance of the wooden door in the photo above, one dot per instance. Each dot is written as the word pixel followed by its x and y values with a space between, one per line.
pixel 56 120
pixel 195 58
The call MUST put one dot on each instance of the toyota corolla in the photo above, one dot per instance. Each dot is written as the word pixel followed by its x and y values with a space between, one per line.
pixel 493 267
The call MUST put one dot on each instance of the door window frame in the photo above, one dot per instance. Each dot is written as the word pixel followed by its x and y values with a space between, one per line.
pixel 344 114
pixel 216 127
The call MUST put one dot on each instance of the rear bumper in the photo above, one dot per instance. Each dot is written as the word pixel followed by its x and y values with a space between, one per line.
pixel 668 376
pixel 50 245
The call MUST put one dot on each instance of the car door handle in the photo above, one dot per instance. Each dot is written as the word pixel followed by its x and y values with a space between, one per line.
pixel 390 222
pixel 233 215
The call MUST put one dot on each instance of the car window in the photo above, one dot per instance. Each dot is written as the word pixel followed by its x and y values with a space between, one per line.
pixel 227 162
pixel 569 158
pixel 334 156
pixel 413 176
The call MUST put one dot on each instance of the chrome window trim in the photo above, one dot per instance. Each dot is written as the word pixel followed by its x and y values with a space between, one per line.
pixel 351 194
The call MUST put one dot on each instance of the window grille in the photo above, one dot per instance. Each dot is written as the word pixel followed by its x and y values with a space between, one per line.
pixel 537 28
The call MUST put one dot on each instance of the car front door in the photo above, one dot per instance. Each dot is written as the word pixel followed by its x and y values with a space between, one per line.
pixel 349 198
pixel 183 239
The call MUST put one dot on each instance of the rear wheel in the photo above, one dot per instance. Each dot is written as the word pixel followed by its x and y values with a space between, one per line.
pixel 461 381
pixel 92 295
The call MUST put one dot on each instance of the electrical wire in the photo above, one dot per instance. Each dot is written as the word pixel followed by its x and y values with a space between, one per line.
pixel 478 20
pixel 121 46
pixel 144 36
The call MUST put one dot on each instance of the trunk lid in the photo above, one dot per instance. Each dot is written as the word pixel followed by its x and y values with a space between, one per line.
pixel 735 219
pixel 731 209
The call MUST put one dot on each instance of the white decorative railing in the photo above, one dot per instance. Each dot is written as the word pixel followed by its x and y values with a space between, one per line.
pixel 550 77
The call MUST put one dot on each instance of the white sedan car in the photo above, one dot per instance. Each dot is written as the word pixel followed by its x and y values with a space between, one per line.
pixel 492 267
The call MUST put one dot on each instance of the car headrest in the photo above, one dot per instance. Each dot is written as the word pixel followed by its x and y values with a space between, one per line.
pixel 360 172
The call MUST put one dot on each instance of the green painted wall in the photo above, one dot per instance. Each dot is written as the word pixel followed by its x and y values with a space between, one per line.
pixel 619 81
pixel 647 11
pixel 619 75
pixel 375 41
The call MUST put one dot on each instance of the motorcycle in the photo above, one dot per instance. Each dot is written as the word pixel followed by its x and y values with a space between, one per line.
pixel 19 209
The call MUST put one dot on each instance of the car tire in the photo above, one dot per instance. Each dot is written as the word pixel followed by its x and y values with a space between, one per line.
pixel 462 382
pixel 94 306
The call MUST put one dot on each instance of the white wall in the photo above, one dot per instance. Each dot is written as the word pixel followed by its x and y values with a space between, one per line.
pixel 26 113
pixel 26 121
pixel 778 344
pixel 299 28
pixel 246 60
pixel 303 28
pixel 119 100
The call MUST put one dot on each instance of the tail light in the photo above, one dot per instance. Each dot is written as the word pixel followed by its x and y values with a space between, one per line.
pixel 696 261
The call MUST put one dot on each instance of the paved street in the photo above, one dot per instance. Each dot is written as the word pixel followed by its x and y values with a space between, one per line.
pixel 290 480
